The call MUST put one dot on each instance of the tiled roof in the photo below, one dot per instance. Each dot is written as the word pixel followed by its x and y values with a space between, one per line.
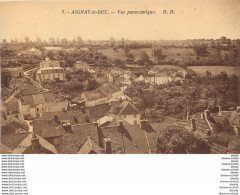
pixel 124 108
pixel 13 140
pixel 28 100
pixel 94 95
pixel 12 105
pixel 116 138
pixel 235 118
pixel 49 97
pixel 71 116
pixel 47 128
pixel 90 147
pixel 73 141
pixel 97 112
pixel 4 149
pixel 129 139
pixel 38 99
pixel 102 92
pixel 25 146
pixel 57 106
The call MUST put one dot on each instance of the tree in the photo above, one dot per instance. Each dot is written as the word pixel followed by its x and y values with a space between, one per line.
pixel 6 78
pixel 144 59
pixel 79 40
pixel 4 41
pixel 112 41
pixel 158 54
pixel 201 50
pixel 177 140
pixel 26 39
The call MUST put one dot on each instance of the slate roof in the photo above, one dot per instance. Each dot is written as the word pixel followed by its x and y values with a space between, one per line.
pixel 4 149
pixel 47 128
pixel 129 139
pixel 57 106
pixel 12 105
pixel 25 146
pixel 28 100
pixel 97 112
pixel 90 147
pixel 13 140
pixel 38 99
pixel 73 141
pixel 235 118
pixel 71 116
pixel 102 92
pixel 49 97
pixel 124 108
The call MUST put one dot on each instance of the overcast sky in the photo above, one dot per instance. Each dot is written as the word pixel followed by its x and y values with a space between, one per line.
pixel 192 19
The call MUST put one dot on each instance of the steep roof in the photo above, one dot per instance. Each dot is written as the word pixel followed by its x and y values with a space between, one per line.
pixel 90 147
pixel 123 108
pixel 24 146
pixel 12 105
pixel 5 150
pixel 129 139
pixel 28 100
pixel 73 141
pixel 49 97
pixel 235 118
pixel 71 116
pixel 38 99
pixel 47 128
pixel 97 112
pixel 13 140
pixel 57 106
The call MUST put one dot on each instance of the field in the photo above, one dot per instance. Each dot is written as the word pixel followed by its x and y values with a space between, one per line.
pixel 201 70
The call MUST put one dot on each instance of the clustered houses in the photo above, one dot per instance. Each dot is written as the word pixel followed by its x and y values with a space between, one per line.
pixel 30 53
pixel 32 106
pixel 104 94
pixel 162 74
pixel 50 71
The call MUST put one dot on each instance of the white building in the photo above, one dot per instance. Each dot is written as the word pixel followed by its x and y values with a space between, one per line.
pixel 50 74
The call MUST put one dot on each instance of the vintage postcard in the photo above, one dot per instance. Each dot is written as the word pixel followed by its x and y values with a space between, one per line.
pixel 120 77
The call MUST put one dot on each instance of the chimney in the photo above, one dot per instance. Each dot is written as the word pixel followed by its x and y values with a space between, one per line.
pixel 56 119
pixel 35 143
pixel 120 123
pixel 202 115
pixel 206 114
pixel 219 111
pixel 108 145
pixel 67 127
pixel 193 124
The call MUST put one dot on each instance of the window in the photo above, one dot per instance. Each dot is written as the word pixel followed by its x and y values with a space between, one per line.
pixel 124 116
pixel 135 116
pixel 37 109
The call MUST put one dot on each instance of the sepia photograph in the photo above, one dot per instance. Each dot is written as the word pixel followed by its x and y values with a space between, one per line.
pixel 117 77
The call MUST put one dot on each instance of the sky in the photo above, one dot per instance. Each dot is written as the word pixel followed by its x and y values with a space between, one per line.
pixel 193 19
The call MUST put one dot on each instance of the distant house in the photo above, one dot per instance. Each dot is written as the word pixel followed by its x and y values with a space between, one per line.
pixel 34 105
pixel 54 50
pixel 114 113
pixel 14 71
pixel 30 53
pixel 49 63
pixel 157 78
pixel 102 95
pixel 125 112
